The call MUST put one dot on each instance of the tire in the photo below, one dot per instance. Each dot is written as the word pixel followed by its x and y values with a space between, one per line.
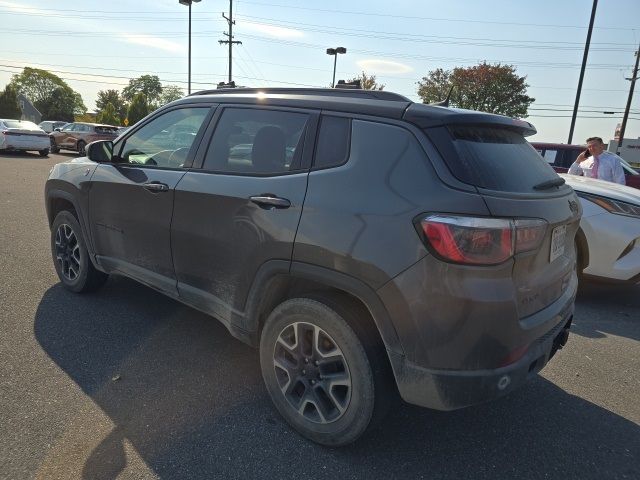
pixel 70 256
pixel 298 374
pixel 54 148
pixel 80 147
pixel 44 153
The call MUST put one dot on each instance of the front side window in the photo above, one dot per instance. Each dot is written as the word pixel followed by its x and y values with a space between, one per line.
pixel 166 140
pixel 251 141
pixel 68 127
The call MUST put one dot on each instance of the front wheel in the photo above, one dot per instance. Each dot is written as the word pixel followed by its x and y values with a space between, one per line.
pixel 54 148
pixel 71 257
pixel 44 153
pixel 318 373
pixel 81 147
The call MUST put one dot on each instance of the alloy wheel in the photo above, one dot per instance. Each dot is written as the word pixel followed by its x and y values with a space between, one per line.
pixel 67 252
pixel 312 372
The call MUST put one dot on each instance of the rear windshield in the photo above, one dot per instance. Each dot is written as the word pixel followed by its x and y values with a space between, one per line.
pixel 21 124
pixel 492 158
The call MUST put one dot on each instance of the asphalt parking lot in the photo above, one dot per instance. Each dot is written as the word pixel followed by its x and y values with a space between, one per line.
pixel 126 383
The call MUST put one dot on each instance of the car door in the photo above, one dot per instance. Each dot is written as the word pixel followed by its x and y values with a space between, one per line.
pixel 241 209
pixel 65 137
pixel 131 199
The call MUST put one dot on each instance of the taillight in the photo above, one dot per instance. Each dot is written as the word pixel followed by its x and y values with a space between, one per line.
pixel 481 241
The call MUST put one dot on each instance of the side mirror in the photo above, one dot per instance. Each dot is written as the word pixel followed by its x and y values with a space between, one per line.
pixel 57 129
pixel 100 151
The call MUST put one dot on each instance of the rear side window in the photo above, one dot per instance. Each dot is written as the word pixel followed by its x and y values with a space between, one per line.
pixel 492 158
pixel 257 142
pixel 333 142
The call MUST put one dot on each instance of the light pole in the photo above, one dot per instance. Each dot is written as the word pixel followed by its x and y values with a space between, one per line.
pixel 188 3
pixel 335 52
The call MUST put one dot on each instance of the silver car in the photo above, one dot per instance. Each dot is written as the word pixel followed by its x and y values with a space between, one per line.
pixel 20 135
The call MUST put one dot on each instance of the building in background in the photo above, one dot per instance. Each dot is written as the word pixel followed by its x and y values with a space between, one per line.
pixel 29 112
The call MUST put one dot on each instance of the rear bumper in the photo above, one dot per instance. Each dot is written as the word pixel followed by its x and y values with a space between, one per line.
pixel 454 389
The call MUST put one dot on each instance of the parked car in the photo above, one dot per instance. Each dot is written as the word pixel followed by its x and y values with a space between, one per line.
pixel 560 156
pixel 20 135
pixel 75 136
pixel 402 247
pixel 50 125
pixel 608 242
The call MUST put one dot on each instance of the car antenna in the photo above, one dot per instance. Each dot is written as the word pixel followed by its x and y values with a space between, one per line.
pixel 445 102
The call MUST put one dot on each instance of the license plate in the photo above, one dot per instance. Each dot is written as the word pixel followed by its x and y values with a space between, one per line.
pixel 557 242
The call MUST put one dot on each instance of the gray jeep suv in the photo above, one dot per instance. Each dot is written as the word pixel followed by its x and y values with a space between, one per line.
pixel 366 244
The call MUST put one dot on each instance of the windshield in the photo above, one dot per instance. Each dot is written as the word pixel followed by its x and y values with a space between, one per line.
pixel 629 170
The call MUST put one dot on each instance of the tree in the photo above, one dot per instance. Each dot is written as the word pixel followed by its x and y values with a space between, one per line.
pixel 9 107
pixel 49 94
pixel 114 98
pixel 484 87
pixel 367 82
pixel 138 109
pixel 169 94
pixel 108 115
pixel 149 85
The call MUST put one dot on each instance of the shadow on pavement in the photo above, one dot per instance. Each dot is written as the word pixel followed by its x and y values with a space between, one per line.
pixel 189 399
pixel 622 304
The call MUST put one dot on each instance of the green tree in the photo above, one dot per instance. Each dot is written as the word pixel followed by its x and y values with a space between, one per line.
pixel 169 94
pixel 49 94
pixel 9 107
pixel 149 85
pixel 484 87
pixel 108 115
pixel 367 82
pixel 114 98
pixel 138 108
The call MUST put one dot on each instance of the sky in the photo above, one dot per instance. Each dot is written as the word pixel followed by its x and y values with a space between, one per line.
pixel 97 45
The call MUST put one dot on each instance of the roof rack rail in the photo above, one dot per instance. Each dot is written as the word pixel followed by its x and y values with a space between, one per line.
pixel 324 92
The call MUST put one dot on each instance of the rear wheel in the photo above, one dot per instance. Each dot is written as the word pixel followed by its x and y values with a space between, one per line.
pixel 71 257
pixel 80 146
pixel 44 153
pixel 318 373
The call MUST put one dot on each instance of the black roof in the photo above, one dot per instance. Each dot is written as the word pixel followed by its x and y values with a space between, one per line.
pixel 367 102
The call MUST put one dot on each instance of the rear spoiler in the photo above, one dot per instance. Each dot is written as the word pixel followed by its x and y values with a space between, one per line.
pixel 427 116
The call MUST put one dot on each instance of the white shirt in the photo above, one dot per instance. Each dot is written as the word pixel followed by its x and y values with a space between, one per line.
pixel 609 168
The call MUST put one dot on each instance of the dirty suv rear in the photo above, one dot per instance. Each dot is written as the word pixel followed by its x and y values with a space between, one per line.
pixel 366 244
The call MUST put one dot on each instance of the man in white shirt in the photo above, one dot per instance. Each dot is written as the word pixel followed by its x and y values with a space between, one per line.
pixel 602 165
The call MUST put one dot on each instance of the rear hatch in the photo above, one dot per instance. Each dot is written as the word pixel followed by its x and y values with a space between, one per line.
pixel 516 183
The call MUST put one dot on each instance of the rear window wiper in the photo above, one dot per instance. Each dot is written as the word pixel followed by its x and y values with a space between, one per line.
pixel 556 182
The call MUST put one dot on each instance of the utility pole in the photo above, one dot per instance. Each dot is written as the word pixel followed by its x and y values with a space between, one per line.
pixel 584 65
pixel 229 35
pixel 633 79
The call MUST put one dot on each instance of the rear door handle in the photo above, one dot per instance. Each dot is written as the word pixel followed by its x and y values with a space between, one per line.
pixel 270 201
pixel 156 187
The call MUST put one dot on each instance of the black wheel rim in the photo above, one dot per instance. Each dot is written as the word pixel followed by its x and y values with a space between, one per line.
pixel 312 372
pixel 67 252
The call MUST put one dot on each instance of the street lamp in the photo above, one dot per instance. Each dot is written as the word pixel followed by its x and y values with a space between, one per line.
pixel 335 52
pixel 189 2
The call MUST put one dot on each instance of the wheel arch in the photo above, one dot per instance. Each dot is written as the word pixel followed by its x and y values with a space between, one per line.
pixel 582 250
pixel 58 200
pixel 277 282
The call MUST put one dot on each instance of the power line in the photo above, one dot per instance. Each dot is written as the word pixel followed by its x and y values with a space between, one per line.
pixel 117 14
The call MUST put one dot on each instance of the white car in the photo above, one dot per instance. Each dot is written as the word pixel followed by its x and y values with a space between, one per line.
pixel 22 135
pixel 608 242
